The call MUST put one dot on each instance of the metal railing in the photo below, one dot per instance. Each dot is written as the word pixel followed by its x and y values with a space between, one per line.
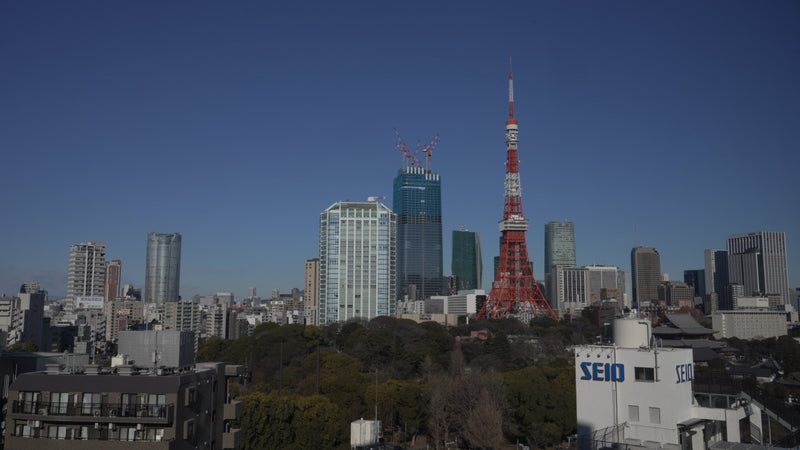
pixel 39 408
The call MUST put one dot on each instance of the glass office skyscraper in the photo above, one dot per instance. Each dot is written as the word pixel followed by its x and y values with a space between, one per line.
pixel 417 202
pixel 162 276
pixel 559 245
pixel 357 262
pixel 466 264
pixel 757 261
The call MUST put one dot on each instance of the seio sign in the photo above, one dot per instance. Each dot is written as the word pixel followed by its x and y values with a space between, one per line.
pixel 602 371
pixel 684 372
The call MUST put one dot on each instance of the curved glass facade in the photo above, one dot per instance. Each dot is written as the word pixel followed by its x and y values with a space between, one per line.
pixel 163 271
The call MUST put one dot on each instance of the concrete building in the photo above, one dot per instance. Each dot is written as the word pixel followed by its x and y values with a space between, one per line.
pixel 633 394
pixel 571 287
pixel 466 262
pixel 311 288
pixel 749 324
pixel 121 314
pixel 183 316
pixel 358 262
pixel 97 409
pixel 86 274
pixel 113 279
pixel 676 293
pixel 645 274
pixel 162 276
pixel 417 201
pixel 758 262
pixel 154 349
pixel 601 277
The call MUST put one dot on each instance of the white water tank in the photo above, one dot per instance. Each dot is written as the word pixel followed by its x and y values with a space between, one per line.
pixel 632 333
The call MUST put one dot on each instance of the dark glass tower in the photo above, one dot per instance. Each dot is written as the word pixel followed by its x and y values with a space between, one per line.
pixel 417 202
pixel 466 263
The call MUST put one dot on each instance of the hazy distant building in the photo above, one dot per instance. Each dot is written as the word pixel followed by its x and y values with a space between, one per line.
pixel 122 314
pixel 697 280
pixel 559 245
pixel 559 249
pixel 601 277
pixel 467 263
pixel 749 324
pixel 417 201
pixel 716 271
pixel 676 293
pixel 113 279
pixel 357 261
pixel 86 274
pixel 163 271
pixel 311 287
pixel 645 274
pixel 758 262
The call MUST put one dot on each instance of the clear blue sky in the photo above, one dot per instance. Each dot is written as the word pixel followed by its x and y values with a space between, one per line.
pixel 664 124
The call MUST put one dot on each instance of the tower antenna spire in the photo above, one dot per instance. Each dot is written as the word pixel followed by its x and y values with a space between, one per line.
pixel 511 118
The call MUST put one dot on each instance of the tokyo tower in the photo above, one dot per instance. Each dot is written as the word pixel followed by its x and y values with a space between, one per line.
pixel 514 291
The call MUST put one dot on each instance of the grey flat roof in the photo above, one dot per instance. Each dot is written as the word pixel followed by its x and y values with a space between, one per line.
pixel 65 382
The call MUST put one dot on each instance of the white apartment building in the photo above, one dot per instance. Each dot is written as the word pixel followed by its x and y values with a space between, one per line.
pixel 357 262
pixel 86 275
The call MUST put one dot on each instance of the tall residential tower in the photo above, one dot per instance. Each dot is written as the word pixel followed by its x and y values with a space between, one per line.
pixel 162 276
pixel 86 275
pixel 357 262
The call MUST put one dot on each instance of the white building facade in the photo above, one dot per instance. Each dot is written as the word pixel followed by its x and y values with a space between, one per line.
pixel 86 275
pixel 749 324
pixel 635 394
pixel 357 262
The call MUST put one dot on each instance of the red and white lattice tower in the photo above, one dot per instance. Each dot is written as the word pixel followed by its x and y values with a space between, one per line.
pixel 514 291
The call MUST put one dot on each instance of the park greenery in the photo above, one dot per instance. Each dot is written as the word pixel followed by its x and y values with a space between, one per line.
pixel 427 384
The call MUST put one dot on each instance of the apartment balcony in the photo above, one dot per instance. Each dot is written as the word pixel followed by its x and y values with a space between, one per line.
pixel 233 410
pixel 93 412
pixel 232 439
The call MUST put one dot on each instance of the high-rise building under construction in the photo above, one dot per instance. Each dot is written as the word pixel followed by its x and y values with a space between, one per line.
pixel 417 201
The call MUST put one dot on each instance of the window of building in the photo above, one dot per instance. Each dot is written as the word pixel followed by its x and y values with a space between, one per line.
pixel 655 415
pixel 25 431
pixel 30 402
pixel 59 402
pixel 156 405
pixel 57 432
pixel 91 404
pixel 155 434
pixel 127 433
pixel 633 413
pixel 84 433
pixel 130 403
pixel 644 374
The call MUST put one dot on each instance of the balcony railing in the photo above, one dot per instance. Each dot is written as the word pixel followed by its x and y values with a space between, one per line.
pixel 93 410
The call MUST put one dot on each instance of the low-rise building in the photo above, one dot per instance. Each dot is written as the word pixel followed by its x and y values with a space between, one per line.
pixel 97 409
pixel 749 324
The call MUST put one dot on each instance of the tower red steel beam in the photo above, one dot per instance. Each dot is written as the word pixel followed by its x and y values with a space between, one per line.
pixel 514 290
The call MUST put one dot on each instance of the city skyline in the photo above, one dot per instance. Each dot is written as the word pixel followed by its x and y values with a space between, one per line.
pixel 206 99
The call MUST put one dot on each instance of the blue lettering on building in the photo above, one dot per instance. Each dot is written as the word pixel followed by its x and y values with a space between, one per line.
pixel 602 371
pixel 684 372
